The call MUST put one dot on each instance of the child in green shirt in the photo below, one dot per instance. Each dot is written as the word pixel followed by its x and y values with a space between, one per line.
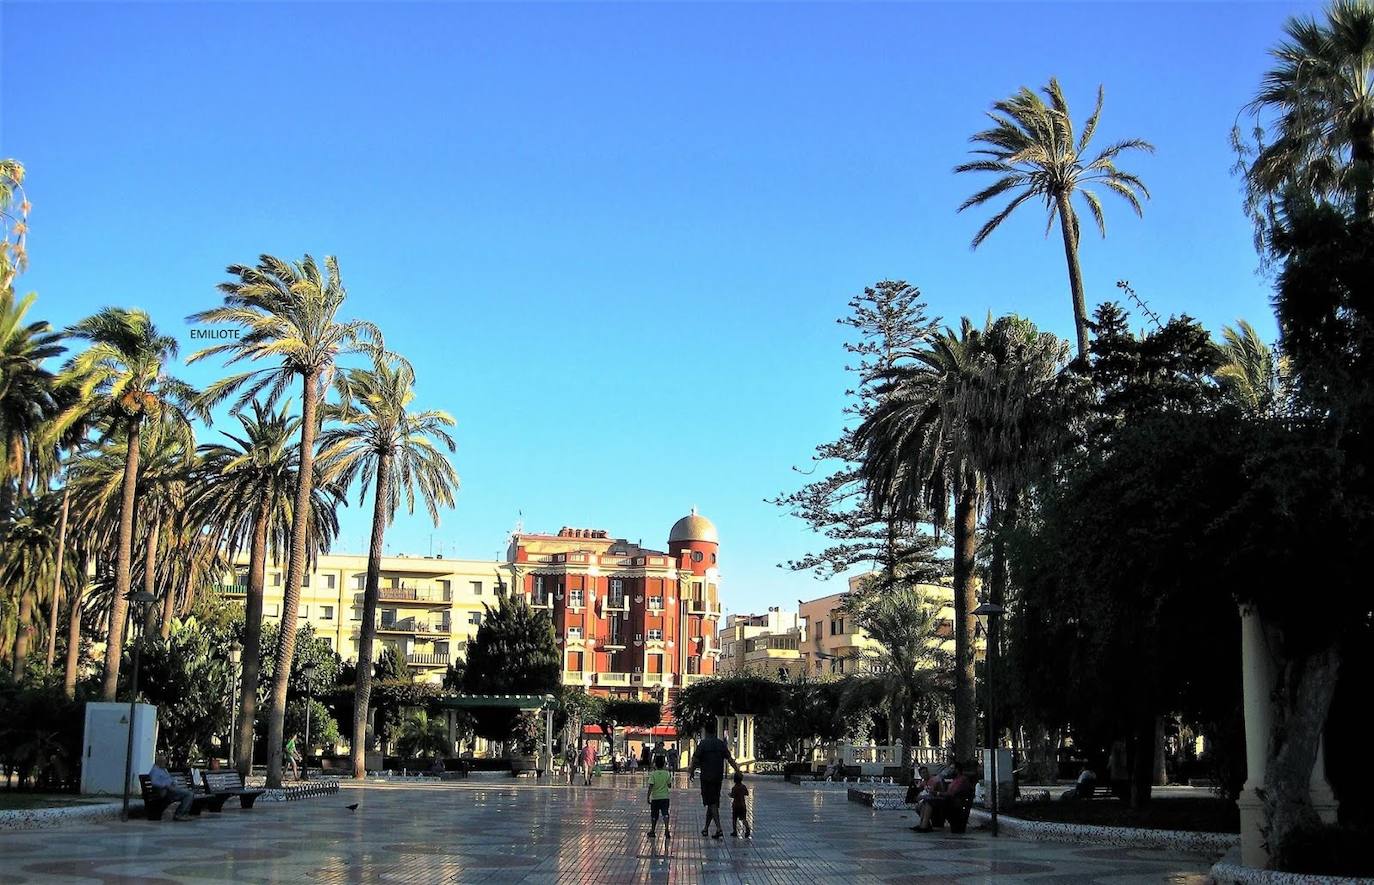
pixel 659 782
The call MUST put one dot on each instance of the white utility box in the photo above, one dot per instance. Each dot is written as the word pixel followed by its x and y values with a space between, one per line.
pixel 105 747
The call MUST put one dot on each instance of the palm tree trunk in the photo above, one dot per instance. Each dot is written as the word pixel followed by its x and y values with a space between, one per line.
pixel 252 638
pixel 23 632
pixel 73 642
pixel 362 689
pixel 57 576
pixel 1080 304
pixel 965 600
pixel 295 571
pixel 150 573
pixel 124 554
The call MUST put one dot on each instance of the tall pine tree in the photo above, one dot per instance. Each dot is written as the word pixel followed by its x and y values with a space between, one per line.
pixel 889 323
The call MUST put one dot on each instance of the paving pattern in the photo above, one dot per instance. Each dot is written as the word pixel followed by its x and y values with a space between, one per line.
pixel 519 831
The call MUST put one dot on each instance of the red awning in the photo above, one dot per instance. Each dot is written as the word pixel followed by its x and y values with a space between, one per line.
pixel 664 731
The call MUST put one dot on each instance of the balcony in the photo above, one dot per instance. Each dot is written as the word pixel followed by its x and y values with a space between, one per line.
pixel 613 679
pixel 656 679
pixel 689 678
pixel 575 677
pixel 617 604
pixel 413 627
pixel 544 602
pixel 614 643
pixel 428 660
pixel 232 589
pixel 419 595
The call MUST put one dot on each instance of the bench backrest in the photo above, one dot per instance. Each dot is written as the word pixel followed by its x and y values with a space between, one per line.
pixel 145 786
pixel 222 780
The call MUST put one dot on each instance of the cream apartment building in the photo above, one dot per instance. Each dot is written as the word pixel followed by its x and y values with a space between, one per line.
pixel 767 644
pixel 428 608
pixel 833 643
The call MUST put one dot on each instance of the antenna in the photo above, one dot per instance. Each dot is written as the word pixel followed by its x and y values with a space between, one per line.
pixel 1125 286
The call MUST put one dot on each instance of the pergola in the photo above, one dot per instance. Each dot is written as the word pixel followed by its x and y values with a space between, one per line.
pixel 544 703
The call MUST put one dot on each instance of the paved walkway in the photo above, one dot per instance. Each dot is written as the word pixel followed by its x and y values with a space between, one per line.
pixel 500 832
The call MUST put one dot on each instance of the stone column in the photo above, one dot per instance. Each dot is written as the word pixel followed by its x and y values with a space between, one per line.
pixel 1257 674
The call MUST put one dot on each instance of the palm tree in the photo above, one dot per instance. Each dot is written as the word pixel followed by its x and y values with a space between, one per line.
pixel 909 660
pixel 28 398
pixel 1033 148
pixel 916 460
pixel 247 493
pixel 27 562
pixel 13 221
pixel 1321 91
pixel 1250 373
pixel 288 313
pixel 121 383
pixel 387 446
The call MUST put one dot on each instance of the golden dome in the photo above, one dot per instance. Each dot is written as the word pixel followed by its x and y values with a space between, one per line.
pixel 693 527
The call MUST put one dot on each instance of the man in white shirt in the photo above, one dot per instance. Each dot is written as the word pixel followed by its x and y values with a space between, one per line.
pixel 161 781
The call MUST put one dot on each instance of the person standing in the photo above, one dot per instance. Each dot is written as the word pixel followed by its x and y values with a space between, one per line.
pixel 659 781
pixel 739 808
pixel 292 757
pixel 588 761
pixel 710 758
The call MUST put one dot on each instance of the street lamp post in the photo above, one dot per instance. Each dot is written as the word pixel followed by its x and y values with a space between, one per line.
pixel 990 612
pixel 308 671
pixel 235 656
pixel 142 599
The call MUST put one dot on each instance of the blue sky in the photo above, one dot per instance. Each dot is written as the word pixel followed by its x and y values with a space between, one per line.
pixel 614 238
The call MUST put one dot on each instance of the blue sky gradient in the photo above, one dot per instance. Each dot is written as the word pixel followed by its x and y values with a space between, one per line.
pixel 614 238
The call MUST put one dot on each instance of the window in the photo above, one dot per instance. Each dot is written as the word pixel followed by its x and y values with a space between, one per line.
pixel 360 582
pixel 476 618
pixel 272 609
pixel 326 613
pixel 329 582
pixel 329 641
pixel 305 580
pixel 389 617
pixel 539 598
pixel 276 579
pixel 476 588
pixel 445 588
pixel 305 610
pixel 639 637
pixel 355 614
pixel 575 598
pixel 655 635
pixel 574 633
pixel 656 603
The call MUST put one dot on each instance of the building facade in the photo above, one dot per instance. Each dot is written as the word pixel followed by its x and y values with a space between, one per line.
pixel 428 608
pixel 631 622
pixel 767 644
pixel 833 643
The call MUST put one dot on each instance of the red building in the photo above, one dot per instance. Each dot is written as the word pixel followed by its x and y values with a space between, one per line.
pixel 632 622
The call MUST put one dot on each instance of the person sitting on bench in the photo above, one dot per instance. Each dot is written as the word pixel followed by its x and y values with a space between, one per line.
pixel 161 781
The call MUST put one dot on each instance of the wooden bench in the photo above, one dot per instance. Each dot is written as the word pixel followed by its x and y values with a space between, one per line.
pixel 155 802
pixel 230 783
pixel 216 798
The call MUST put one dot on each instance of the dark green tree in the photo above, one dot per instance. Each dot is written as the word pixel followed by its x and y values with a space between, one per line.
pixel 888 322
pixel 514 652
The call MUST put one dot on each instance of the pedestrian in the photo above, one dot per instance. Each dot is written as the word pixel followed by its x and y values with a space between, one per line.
pixel 739 807
pixel 659 782
pixel 588 761
pixel 292 757
pixel 710 758
pixel 632 761
pixel 570 762
pixel 161 781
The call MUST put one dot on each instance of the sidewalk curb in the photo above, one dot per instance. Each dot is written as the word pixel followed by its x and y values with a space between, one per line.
pixel 1125 837
pixel 37 818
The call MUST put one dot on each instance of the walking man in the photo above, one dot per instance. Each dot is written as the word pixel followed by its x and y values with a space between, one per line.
pixel 710 758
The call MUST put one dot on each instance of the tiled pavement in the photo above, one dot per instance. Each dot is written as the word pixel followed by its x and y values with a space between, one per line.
pixel 526 832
